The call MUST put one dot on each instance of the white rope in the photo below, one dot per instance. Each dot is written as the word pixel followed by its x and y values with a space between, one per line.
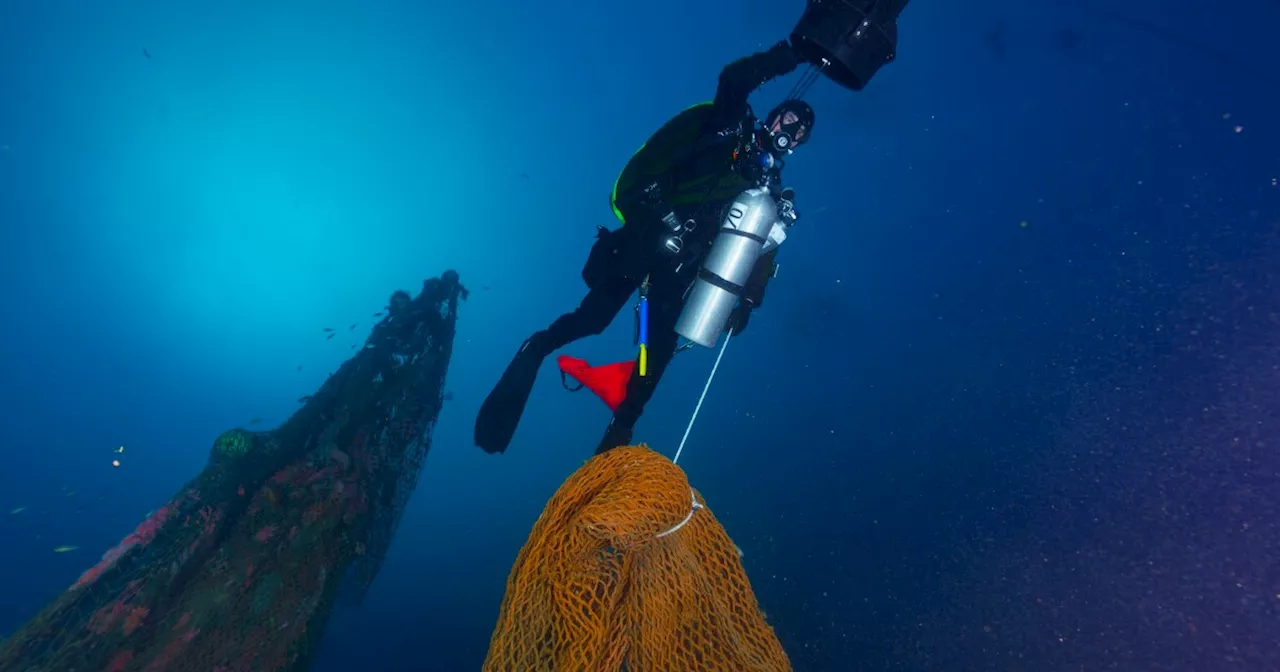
pixel 689 428
pixel 696 409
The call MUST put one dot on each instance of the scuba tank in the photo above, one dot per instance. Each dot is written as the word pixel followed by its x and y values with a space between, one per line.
pixel 744 231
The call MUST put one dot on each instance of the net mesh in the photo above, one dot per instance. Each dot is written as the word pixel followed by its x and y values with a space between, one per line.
pixel 597 588
pixel 240 569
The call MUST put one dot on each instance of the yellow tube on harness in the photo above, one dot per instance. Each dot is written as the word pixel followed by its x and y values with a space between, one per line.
pixel 642 328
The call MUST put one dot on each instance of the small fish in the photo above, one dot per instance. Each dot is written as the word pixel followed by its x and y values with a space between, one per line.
pixel 328 329
pixel 18 510
pixel 146 53
pixel 119 449
pixel 352 328
pixel 379 314
pixel 299 367
pixel 71 493
pixel 304 399
pixel 448 395
pixel 254 421
pixel 65 549
pixel 353 346
pixel 484 287
pixel 524 176
pixel 330 337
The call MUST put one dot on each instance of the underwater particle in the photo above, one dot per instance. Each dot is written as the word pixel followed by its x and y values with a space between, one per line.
pixel 1239 128
pixel 4 148
pixel 1023 223
pixel 115 463
pixel 18 510
pixel 233 443
pixel 254 421
pixel 306 397
pixel 65 549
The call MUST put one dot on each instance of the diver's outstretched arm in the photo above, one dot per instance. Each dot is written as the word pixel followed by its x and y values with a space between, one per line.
pixel 745 75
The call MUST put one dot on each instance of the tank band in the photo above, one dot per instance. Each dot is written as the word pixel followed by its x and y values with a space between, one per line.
pixel 720 282
pixel 744 234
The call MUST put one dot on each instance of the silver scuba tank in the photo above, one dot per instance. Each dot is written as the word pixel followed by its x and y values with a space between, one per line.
pixel 734 254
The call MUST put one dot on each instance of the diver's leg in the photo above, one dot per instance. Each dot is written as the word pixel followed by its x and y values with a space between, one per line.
pixel 501 410
pixel 596 312
pixel 665 303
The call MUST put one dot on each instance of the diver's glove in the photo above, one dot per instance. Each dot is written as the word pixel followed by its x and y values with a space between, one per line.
pixel 740 317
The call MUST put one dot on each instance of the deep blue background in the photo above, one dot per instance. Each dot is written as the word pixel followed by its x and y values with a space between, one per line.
pixel 1009 404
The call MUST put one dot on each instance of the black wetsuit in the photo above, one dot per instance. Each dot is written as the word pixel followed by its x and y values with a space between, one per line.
pixel 700 185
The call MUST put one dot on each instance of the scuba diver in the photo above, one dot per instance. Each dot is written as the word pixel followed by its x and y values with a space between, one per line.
pixel 725 150
pixel 672 197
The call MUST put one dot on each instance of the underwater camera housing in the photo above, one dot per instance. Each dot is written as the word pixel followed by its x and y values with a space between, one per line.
pixel 856 37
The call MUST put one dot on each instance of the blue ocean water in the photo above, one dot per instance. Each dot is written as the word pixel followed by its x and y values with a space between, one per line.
pixel 1009 404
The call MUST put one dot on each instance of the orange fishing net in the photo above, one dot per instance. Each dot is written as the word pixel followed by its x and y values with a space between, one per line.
pixel 627 569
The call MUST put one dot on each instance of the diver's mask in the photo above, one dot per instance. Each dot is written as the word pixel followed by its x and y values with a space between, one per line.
pixel 787 126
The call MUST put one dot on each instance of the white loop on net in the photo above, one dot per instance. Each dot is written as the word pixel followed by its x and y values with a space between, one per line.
pixel 687 518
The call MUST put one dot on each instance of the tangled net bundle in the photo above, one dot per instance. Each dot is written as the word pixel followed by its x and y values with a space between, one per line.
pixel 623 571
pixel 239 570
